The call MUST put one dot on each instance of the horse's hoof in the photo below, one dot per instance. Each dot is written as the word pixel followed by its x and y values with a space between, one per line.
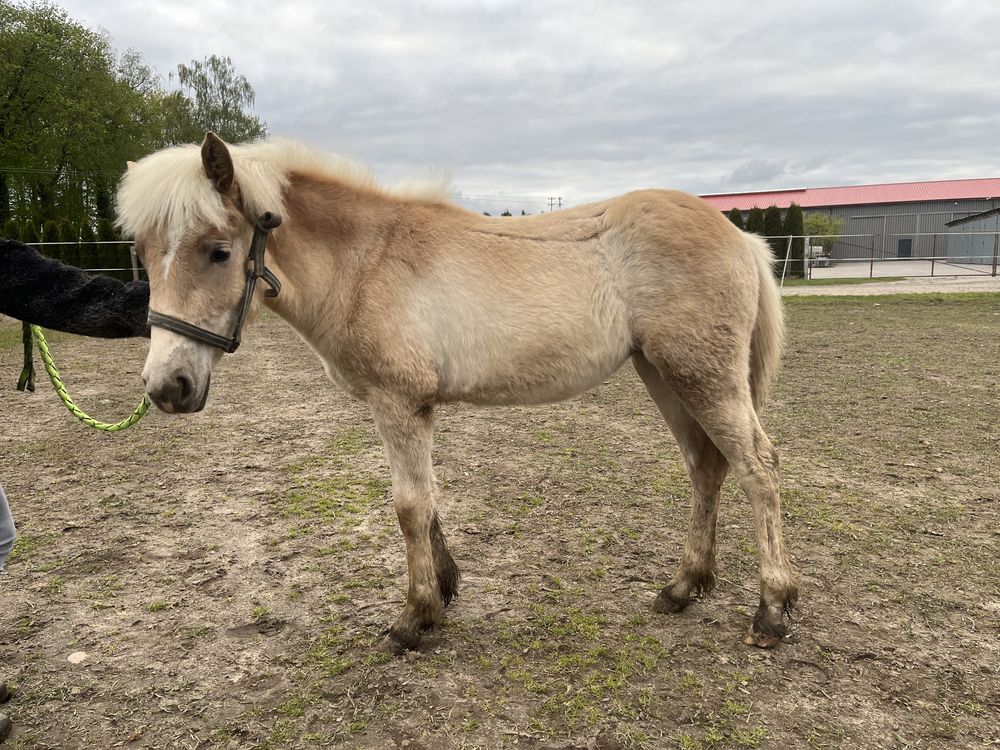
pixel 763 639
pixel 666 604
pixel 768 627
pixel 397 643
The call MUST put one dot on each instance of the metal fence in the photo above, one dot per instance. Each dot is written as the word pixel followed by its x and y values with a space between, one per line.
pixel 859 256
pixel 844 256
pixel 135 268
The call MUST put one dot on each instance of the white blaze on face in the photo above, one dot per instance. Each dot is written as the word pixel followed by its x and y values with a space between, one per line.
pixel 170 256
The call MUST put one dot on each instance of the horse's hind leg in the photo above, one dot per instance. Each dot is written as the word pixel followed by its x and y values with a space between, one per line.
pixel 707 469
pixel 433 576
pixel 719 399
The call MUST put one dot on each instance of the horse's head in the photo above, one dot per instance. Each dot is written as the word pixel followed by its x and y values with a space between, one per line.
pixel 192 233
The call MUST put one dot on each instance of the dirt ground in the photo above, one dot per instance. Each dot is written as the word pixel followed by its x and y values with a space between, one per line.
pixel 219 580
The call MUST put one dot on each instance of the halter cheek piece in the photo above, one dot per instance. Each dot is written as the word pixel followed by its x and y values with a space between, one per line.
pixel 255 270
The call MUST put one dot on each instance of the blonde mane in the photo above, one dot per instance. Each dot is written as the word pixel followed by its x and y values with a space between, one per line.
pixel 168 189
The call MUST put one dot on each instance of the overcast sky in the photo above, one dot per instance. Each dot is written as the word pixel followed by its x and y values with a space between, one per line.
pixel 586 100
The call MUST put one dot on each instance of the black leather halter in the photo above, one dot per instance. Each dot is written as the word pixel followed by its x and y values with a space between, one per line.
pixel 255 270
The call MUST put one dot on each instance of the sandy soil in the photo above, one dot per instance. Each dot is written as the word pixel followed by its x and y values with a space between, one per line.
pixel 219 580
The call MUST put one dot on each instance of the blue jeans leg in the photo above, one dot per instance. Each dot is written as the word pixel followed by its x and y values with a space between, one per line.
pixel 7 533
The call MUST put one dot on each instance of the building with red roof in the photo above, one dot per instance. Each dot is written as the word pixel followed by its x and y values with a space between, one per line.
pixel 890 220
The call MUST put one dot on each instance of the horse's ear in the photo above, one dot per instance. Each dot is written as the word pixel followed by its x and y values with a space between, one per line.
pixel 217 162
pixel 129 164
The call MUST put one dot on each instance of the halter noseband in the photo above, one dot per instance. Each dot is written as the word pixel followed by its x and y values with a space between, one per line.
pixel 255 270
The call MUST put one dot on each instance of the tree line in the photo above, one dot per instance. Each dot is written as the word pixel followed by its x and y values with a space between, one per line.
pixel 777 229
pixel 73 110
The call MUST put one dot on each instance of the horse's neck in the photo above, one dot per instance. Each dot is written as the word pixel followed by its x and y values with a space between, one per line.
pixel 321 249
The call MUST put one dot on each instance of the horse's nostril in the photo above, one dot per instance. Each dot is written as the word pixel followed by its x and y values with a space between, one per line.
pixel 184 387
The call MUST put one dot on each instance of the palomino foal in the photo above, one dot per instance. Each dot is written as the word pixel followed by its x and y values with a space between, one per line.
pixel 412 302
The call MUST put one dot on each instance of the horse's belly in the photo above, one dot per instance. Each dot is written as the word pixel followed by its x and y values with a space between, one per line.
pixel 545 329
pixel 530 368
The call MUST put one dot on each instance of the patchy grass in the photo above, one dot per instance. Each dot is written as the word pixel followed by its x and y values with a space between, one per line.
pixel 841 282
pixel 565 521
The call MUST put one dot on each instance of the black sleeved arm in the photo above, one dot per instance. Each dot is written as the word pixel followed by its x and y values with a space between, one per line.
pixel 53 295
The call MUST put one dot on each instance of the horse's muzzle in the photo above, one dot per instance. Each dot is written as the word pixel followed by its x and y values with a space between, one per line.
pixel 177 393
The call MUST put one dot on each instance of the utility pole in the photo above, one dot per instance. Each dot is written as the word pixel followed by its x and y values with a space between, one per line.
pixel 555 201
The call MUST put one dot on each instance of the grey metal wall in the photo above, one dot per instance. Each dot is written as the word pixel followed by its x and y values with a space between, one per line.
pixel 969 247
pixel 892 222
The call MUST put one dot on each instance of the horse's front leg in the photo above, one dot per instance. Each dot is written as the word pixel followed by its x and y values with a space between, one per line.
pixel 407 431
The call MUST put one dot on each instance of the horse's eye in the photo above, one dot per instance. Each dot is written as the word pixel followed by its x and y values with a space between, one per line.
pixel 219 254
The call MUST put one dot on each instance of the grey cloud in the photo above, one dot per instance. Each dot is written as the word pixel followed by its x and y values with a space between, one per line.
pixel 589 100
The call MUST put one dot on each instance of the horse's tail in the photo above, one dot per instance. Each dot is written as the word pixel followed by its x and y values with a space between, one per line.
pixel 769 328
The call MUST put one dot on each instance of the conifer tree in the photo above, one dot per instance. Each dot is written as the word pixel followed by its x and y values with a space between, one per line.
pixel 89 258
pixel 795 227
pixel 69 249
pixel 774 230
pixel 107 250
pixel 11 231
pixel 29 233
pixel 50 235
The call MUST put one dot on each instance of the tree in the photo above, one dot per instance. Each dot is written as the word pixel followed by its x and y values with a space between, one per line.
pixel 795 228
pixel 736 216
pixel 506 212
pixel 104 204
pixel 822 230
pixel 29 233
pixel 11 231
pixel 50 235
pixel 755 221
pixel 212 96
pixel 5 212
pixel 107 251
pixel 89 257
pixel 65 114
pixel 73 111
pixel 774 229
pixel 69 250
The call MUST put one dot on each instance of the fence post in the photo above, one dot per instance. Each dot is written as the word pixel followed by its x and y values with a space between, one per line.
pixel 871 259
pixel 807 271
pixel 996 245
pixel 784 268
pixel 135 263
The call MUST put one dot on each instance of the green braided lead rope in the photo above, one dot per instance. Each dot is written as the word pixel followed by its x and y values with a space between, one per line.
pixel 57 383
